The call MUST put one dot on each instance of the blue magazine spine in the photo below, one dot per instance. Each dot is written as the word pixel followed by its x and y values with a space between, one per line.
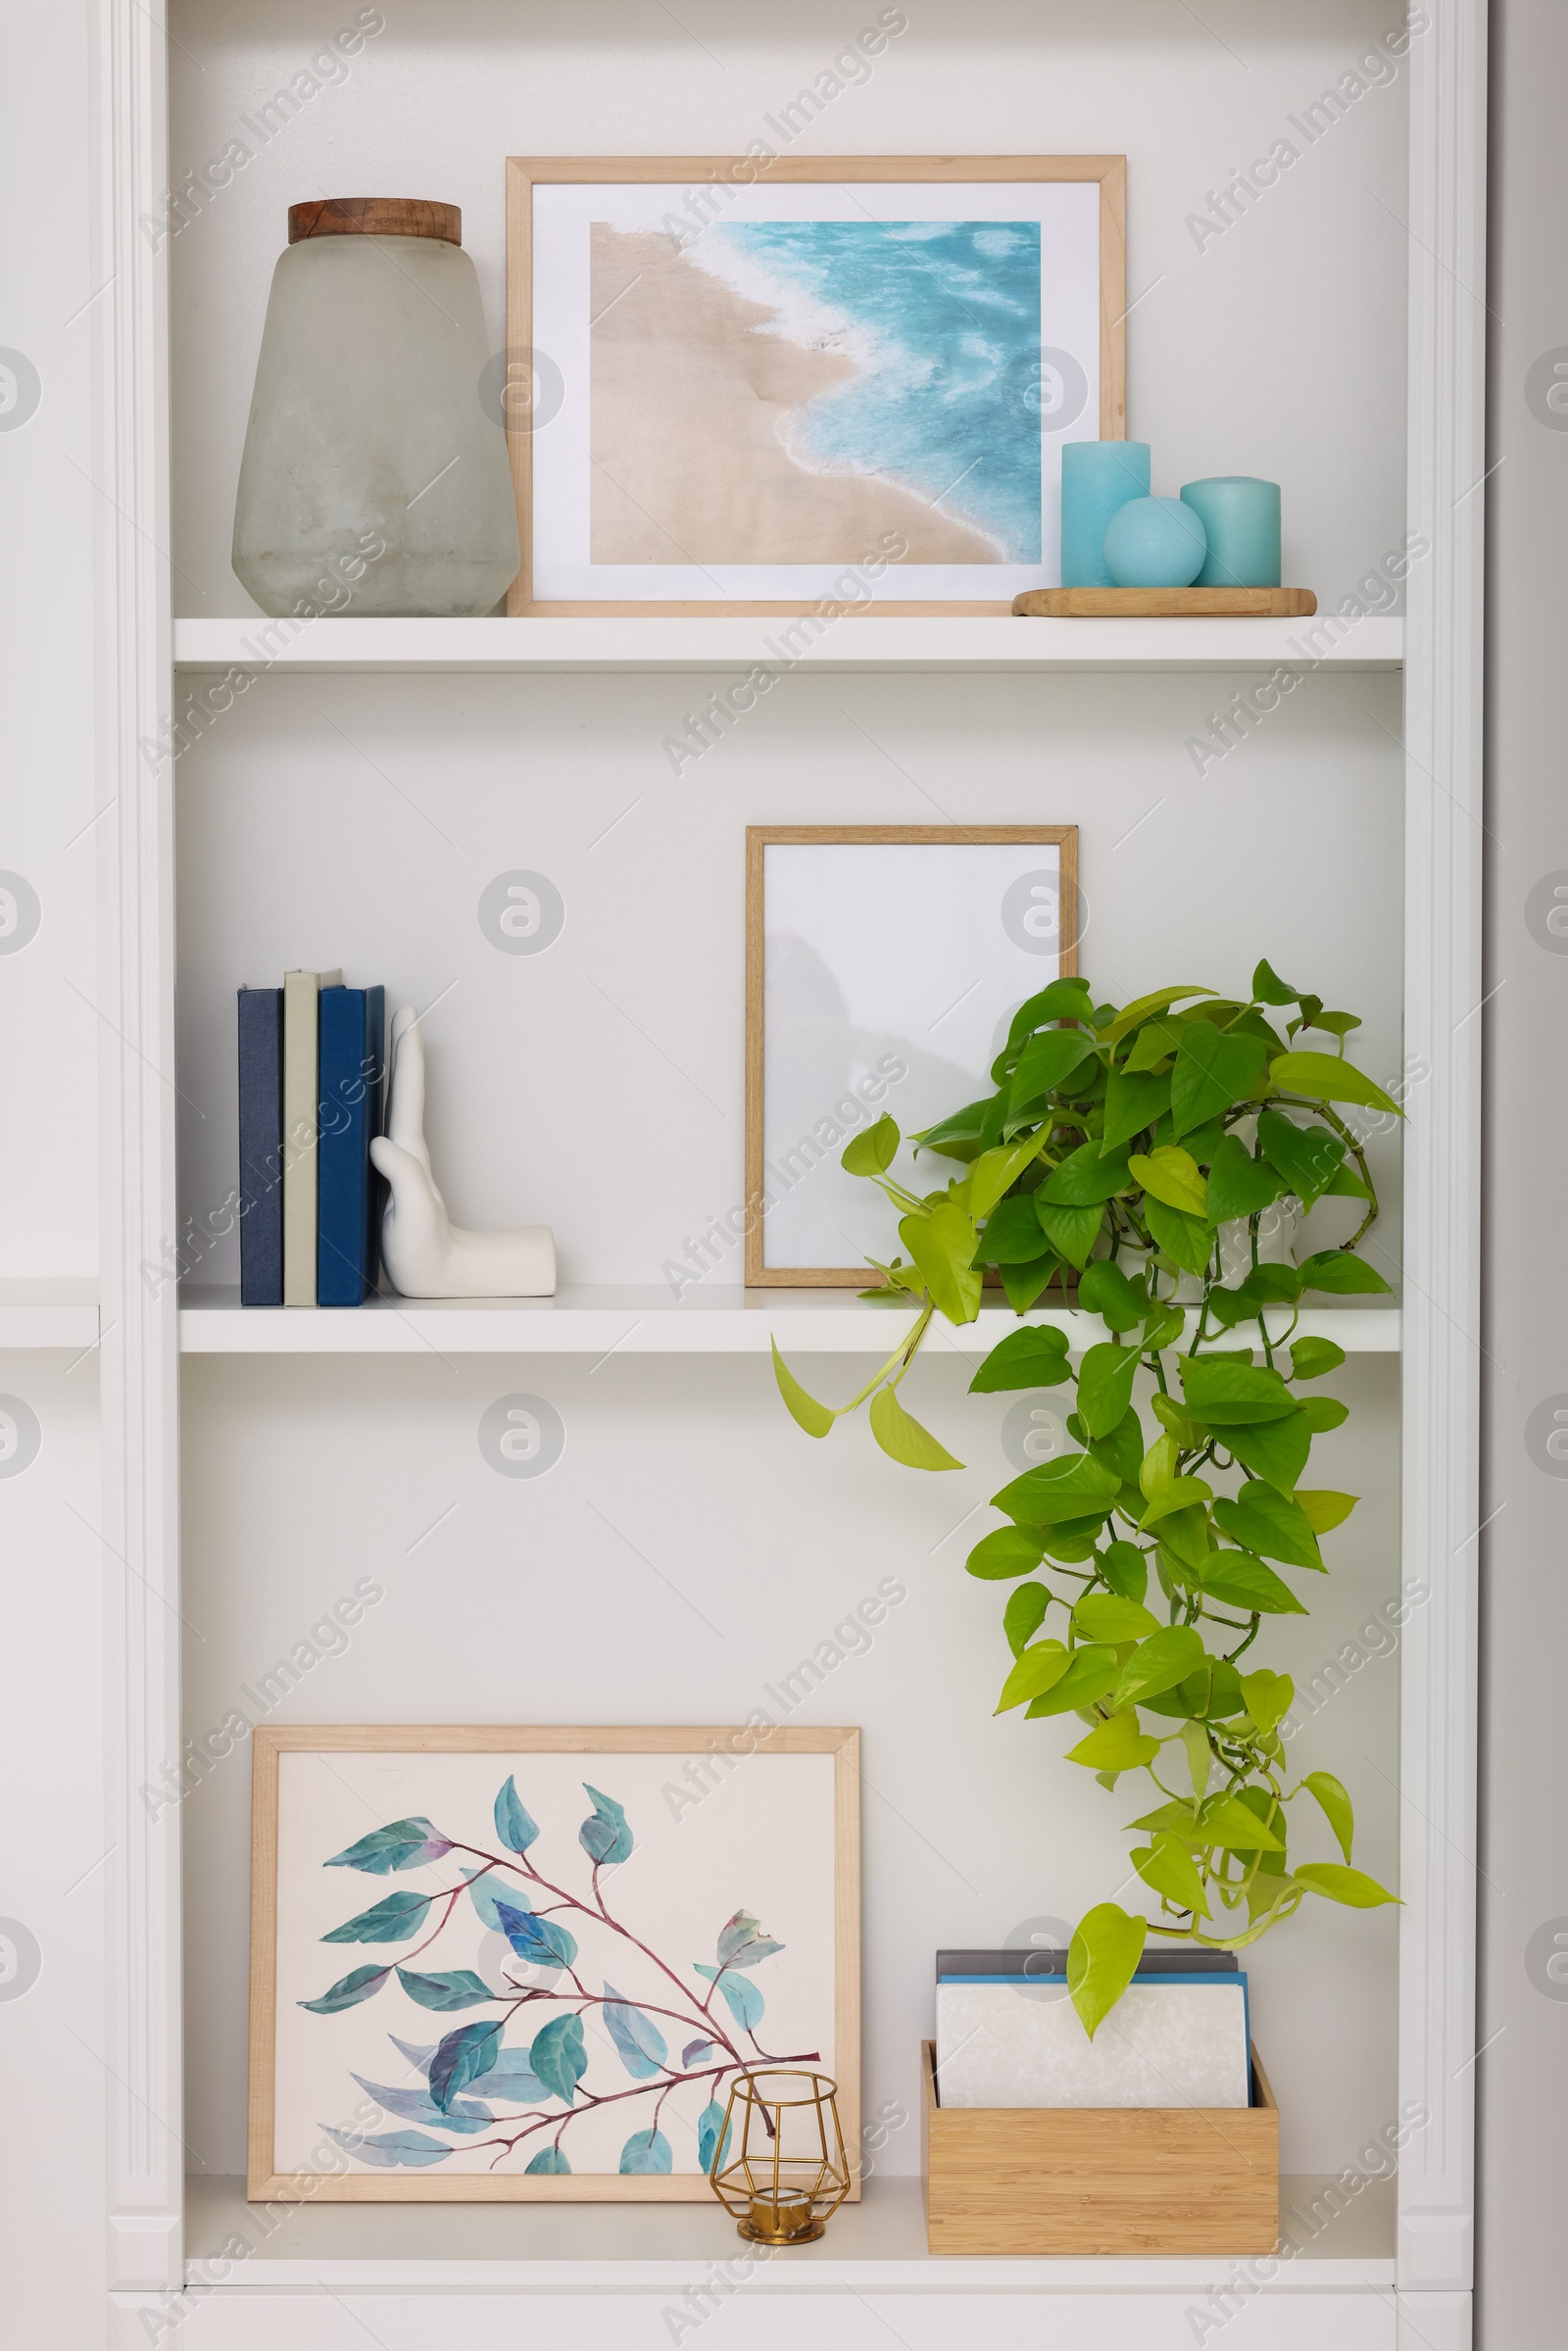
pixel 352 1081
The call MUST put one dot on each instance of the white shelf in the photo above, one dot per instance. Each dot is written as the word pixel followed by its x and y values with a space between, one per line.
pixel 989 645
pixel 58 1311
pixel 877 2244
pixel 609 1321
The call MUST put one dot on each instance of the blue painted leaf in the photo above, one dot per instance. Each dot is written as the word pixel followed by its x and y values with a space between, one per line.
pixel 515 1826
pixel 417 2106
pixel 511 2076
pixel 648 2151
pixel 606 1836
pixel 463 2055
pixel 419 2058
pixel 349 1990
pixel 709 2123
pixel 400 1846
pixel 742 1944
pixel 458 1988
pixel 397 1920
pixel 536 1938
pixel 643 2047
pixel 487 1891
pixel 559 2056
pixel 549 2160
pixel 390 2149
pixel 697 2053
pixel 742 1997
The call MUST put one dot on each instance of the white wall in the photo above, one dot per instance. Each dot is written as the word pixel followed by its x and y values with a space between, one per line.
pixel 1277 348
pixel 599 1085
pixel 52 1855
pixel 49 1031
pixel 1522 2080
pixel 52 2036
pixel 547 1101
pixel 689 1549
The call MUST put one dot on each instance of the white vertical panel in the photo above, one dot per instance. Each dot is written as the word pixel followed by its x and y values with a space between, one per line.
pixel 1443 1044
pixel 139 1500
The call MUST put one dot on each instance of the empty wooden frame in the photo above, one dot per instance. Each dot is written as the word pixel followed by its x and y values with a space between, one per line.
pixel 883 964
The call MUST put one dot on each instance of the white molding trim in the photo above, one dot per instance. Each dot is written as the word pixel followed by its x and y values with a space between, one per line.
pixel 1442 1187
pixel 355 2318
pixel 1434 2322
pixel 143 2249
pixel 135 1002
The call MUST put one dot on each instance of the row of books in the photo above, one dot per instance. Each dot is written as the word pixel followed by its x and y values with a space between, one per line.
pixel 312 1090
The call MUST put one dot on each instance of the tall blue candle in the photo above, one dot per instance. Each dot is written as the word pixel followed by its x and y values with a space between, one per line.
pixel 1241 517
pixel 1097 478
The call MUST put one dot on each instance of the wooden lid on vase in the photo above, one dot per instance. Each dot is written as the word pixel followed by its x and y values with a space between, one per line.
pixel 375 216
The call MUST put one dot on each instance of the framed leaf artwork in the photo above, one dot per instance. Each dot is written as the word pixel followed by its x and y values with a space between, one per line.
pixel 529 1965
pixel 791 384
pixel 883 967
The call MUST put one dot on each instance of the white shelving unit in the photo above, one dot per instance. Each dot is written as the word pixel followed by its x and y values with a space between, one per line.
pixel 984 647
pixel 648 1321
pixel 1377 2279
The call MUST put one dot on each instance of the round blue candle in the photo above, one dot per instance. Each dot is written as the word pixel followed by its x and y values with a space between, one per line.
pixel 1241 517
pixel 1155 543
pixel 1097 479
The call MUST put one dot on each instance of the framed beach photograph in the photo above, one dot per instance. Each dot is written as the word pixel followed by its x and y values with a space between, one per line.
pixel 503 1965
pixel 883 967
pixel 767 383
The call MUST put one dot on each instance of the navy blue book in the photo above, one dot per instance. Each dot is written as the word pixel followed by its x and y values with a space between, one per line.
pixel 353 1076
pixel 261 1147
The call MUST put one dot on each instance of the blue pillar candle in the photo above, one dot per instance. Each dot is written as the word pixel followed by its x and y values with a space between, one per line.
pixel 1241 517
pixel 1097 478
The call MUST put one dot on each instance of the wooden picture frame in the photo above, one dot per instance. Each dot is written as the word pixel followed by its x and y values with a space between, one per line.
pixel 771 1174
pixel 722 1768
pixel 546 370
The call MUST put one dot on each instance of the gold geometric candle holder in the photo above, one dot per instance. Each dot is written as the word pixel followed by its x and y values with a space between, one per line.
pixel 787 2171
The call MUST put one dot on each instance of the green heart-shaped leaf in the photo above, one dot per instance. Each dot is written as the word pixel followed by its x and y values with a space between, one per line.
pixel 1101 1961
pixel 1326 1078
pixel 900 1436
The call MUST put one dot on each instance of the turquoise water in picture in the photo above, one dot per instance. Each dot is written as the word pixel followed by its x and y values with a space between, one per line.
pixel 941 320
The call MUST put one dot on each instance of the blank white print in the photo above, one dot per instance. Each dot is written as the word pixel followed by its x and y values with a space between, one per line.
pixel 891 971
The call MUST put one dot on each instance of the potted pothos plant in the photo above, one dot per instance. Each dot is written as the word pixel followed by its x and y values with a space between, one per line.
pixel 1119 1145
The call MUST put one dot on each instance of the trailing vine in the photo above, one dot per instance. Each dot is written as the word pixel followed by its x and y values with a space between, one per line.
pixel 1118 1147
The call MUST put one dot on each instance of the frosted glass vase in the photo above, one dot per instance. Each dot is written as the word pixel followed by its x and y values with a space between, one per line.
pixel 375 479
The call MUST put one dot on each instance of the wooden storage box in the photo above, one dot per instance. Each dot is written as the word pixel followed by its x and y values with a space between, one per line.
pixel 1012 2180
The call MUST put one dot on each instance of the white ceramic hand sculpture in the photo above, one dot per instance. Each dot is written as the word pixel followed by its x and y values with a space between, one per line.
pixel 425 1255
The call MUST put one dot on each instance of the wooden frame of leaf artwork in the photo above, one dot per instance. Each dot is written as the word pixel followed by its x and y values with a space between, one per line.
pixel 816 1848
pixel 766 1177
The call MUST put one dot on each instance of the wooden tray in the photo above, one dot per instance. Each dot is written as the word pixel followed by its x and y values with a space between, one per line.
pixel 1165 604
pixel 1100 2179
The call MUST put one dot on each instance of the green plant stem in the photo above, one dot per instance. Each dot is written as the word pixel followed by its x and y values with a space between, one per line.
pixel 904 1354
pixel 1356 1148
pixel 1262 1325
pixel 909 1202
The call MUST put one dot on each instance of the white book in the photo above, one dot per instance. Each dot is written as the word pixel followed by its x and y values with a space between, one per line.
pixel 1164 2044
pixel 302 1122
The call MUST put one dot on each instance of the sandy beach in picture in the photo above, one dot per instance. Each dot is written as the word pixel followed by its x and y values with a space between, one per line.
pixel 695 407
